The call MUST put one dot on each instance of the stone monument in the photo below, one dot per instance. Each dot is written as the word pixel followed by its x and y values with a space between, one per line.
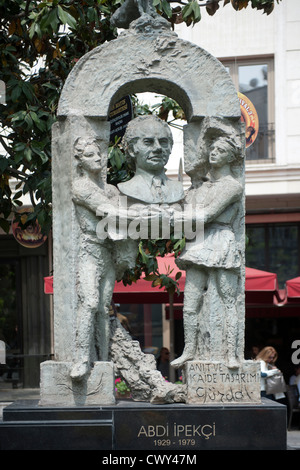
pixel 218 406
pixel 90 344
pixel 214 303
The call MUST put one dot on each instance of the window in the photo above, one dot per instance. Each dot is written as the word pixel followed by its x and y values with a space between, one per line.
pixel 274 248
pixel 254 78
pixel 10 322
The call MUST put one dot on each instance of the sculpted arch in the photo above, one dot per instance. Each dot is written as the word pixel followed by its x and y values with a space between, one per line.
pixel 148 57
pixel 156 85
pixel 162 63
pixel 137 61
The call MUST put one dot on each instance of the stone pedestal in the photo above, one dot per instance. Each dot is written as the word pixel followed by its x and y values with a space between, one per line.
pixel 133 427
pixel 58 389
pixel 215 383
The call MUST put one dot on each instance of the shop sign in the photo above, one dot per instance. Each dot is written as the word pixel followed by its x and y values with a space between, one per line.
pixel 250 118
pixel 119 117
pixel 31 236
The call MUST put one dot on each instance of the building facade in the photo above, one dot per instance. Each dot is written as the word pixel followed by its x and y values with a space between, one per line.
pixel 262 54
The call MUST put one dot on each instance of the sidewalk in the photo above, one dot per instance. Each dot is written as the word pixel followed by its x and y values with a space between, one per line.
pixel 8 395
pixel 293 439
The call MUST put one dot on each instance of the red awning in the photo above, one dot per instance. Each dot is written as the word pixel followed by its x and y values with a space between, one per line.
pixel 260 280
pixel 260 286
pixel 142 290
pixel 293 289
pixel 48 285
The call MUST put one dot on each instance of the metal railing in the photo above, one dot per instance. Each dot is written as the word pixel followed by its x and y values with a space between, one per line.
pixel 263 149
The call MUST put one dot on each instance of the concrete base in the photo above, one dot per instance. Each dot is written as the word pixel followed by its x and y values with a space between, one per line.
pixel 58 389
pixel 215 383
pixel 141 426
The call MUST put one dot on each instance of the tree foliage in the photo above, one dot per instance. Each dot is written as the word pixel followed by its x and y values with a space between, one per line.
pixel 40 41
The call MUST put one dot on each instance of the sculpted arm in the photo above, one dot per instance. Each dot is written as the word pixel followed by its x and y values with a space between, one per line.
pixel 91 196
pixel 223 198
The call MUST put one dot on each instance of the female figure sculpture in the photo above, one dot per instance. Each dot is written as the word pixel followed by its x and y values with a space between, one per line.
pixel 214 264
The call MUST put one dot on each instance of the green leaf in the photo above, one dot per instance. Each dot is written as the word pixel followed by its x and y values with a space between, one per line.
pixel 4 162
pixel 40 124
pixel 17 203
pixel 50 85
pixel 166 8
pixel 191 13
pixel 187 11
pixel 51 20
pixel 19 146
pixel 179 245
pixel 18 195
pixel 27 89
pixel 16 92
pixel 28 120
pixel 151 277
pixel 66 18
pixel 27 154
pixel 18 157
pixel 145 257
pixel 5 225
pixel 19 116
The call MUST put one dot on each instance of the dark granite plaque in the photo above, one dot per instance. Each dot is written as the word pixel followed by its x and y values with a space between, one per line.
pixel 27 426
pixel 130 426
pixel 188 427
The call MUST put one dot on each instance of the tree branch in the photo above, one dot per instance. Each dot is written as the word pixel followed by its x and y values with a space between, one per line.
pixel 209 2
pixel 18 174
pixel 27 7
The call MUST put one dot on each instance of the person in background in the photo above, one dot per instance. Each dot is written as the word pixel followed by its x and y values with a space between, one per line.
pixel 268 357
pixel 163 362
pixel 254 352
pixel 295 378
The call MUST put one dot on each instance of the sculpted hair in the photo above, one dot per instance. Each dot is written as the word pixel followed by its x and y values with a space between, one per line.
pixel 132 133
pixel 234 144
pixel 81 143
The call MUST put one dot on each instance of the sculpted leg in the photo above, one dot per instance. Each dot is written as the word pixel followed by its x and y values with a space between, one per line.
pixel 87 306
pixel 103 319
pixel 228 286
pixel 84 335
pixel 195 284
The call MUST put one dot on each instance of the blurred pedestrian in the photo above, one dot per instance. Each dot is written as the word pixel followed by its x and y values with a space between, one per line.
pixel 268 357
pixel 163 362
pixel 295 378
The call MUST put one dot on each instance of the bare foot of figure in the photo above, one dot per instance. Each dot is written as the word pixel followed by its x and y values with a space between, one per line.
pixel 187 355
pixel 79 370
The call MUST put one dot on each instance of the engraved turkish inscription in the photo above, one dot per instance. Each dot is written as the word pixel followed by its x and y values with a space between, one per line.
pixel 214 382
pixel 180 435
pixel 160 427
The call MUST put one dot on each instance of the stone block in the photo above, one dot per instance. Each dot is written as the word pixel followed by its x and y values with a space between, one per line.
pixel 215 383
pixel 58 389
pixel 132 426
